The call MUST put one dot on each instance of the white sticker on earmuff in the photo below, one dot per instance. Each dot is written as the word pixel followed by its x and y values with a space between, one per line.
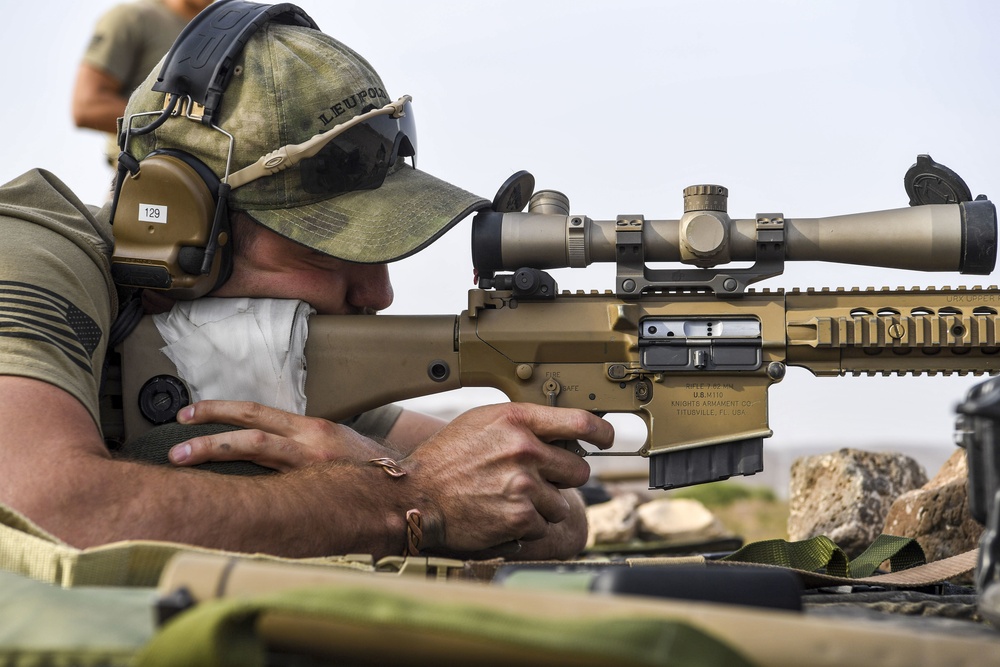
pixel 152 213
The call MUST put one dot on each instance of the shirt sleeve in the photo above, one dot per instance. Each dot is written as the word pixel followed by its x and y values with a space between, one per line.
pixel 377 423
pixel 55 307
pixel 115 42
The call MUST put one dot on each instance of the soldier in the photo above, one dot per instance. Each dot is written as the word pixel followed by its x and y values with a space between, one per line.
pixel 486 479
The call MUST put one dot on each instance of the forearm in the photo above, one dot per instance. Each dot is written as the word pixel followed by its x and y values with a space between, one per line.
pixel 319 510
pixel 57 472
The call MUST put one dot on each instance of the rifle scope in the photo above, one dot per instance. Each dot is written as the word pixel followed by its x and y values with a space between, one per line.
pixel 931 237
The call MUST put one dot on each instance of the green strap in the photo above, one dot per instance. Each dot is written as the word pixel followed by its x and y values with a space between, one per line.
pixel 901 552
pixel 821 553
pixel 810 555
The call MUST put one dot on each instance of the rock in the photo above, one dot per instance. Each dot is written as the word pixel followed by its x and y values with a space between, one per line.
pixel 677 519
pixel 846 495
pixel 613 522
pixel 937 515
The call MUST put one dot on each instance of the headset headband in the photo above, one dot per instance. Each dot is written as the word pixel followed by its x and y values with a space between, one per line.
pixel 200 62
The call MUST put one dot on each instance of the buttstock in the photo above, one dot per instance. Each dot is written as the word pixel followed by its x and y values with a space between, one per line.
pixel 360 362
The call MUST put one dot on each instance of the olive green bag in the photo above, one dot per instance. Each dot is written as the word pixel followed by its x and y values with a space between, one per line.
pixel 42 624
pixel 365 625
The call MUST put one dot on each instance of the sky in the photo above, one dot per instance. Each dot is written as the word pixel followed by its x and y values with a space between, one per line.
pixel 808 108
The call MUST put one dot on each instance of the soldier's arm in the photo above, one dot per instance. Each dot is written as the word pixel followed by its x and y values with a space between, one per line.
pixel 58 472
pixel 483 481
pixel 97 99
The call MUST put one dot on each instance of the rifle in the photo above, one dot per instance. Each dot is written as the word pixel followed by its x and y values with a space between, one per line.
pixel 691 351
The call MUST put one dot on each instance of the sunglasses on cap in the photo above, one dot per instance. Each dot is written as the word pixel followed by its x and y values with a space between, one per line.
pixel 354 155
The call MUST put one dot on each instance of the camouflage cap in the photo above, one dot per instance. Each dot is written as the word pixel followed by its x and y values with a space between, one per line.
pixel 289 84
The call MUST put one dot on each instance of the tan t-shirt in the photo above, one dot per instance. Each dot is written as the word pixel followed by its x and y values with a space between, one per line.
pixel 128 43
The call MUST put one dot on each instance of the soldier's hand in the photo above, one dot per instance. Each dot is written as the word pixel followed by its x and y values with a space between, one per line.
pixel 271 437
pixel 489 478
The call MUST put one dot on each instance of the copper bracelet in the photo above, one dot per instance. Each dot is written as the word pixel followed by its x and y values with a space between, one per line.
pixel 414 532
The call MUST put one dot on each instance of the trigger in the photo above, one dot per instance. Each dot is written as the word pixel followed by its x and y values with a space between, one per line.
pixel 570 446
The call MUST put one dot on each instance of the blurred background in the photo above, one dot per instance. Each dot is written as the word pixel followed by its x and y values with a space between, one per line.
pixel 807 108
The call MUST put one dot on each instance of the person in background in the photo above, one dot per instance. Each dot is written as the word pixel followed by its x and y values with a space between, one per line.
pixel 128 42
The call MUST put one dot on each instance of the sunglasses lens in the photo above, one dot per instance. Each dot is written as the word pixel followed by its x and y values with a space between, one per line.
pixel 360 158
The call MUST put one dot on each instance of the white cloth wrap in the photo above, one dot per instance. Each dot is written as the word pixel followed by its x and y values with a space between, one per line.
pixel 240 349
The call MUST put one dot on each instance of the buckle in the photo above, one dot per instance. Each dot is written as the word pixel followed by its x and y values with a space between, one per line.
pixel 419 566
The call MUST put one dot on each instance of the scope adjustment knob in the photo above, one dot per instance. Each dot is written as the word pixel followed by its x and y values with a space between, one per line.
pixel 705 198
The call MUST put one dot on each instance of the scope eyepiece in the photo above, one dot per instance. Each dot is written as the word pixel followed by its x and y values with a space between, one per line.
pixel 487 248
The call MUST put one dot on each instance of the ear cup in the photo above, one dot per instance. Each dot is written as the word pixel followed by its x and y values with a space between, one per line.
pixel 166 206
pixel 162 220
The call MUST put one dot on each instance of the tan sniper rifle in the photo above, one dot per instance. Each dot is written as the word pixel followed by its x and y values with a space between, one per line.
pixel 691 351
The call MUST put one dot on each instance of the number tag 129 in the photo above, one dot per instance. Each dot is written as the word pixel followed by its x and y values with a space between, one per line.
pixel 153 213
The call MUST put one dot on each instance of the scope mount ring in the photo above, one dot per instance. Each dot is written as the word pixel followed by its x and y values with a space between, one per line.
pixel 634 278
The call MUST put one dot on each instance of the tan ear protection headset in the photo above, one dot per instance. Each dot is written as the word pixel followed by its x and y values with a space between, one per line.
pixel 170 213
